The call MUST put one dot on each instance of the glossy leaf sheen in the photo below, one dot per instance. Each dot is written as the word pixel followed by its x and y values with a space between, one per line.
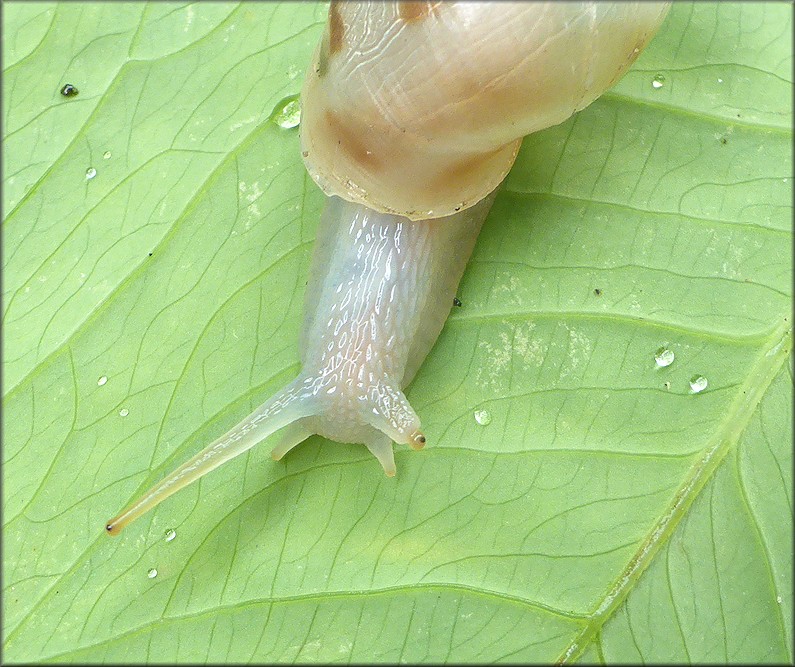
pixel 604 513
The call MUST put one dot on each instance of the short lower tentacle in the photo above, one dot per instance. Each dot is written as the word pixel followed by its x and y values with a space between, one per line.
pixel 380 446
pixel 293 435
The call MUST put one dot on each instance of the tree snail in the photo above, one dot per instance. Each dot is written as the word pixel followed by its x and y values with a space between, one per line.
pixel 412 115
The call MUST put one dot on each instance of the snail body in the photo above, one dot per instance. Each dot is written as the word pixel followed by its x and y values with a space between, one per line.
pixel 409 133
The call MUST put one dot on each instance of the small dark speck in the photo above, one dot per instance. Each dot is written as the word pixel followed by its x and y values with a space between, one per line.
pixel 150 254
pixel 69 90
pixel 724 140
pixel 457 302
pixel 598 292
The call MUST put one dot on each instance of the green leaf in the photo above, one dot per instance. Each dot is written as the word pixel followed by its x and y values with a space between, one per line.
pixel 606 512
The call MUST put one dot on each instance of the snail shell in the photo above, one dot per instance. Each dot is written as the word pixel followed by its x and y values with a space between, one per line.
pixel 419 108
pixel 413 113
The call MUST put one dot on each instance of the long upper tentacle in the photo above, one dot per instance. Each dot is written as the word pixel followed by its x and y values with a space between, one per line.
pixel 293 402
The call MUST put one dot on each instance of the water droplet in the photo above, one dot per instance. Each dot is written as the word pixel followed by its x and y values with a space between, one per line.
pixel 698 383
pixel 658 81
pixel 778 599
pixel 102 380
pixel 124 412
pixel 720 80
pixel 90 173
pixel 483 417
pixel 289 113
pixel 106 155
pixel 170 534
pixel 69 90
pixel 664 357
pixel 152 573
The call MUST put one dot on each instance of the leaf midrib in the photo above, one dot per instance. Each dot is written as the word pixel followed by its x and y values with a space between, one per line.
pixel 769 361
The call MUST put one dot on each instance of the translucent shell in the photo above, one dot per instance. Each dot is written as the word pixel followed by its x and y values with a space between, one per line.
pixel 402 113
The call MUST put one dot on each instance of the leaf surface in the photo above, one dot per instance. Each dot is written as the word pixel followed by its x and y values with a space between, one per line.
pixel 605 512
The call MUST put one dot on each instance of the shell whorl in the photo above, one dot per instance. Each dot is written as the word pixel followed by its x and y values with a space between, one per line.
pixel 419 108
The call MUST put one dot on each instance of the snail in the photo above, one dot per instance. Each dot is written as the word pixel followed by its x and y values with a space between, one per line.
pixel 412 115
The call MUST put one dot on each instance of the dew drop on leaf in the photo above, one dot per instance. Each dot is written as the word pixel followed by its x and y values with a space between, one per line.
pixel 90 173
pixel 152 573
pixel 664 357
pixel 698 383
pixel 658 81
pixel 170 534
pixel 102 380
pixel 483 417
pixel 287 113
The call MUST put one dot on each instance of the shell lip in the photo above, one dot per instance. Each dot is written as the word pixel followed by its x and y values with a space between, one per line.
pixel 332 172
pixel 359 155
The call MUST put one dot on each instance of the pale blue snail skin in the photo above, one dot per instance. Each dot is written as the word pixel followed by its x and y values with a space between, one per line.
pixel 380 289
